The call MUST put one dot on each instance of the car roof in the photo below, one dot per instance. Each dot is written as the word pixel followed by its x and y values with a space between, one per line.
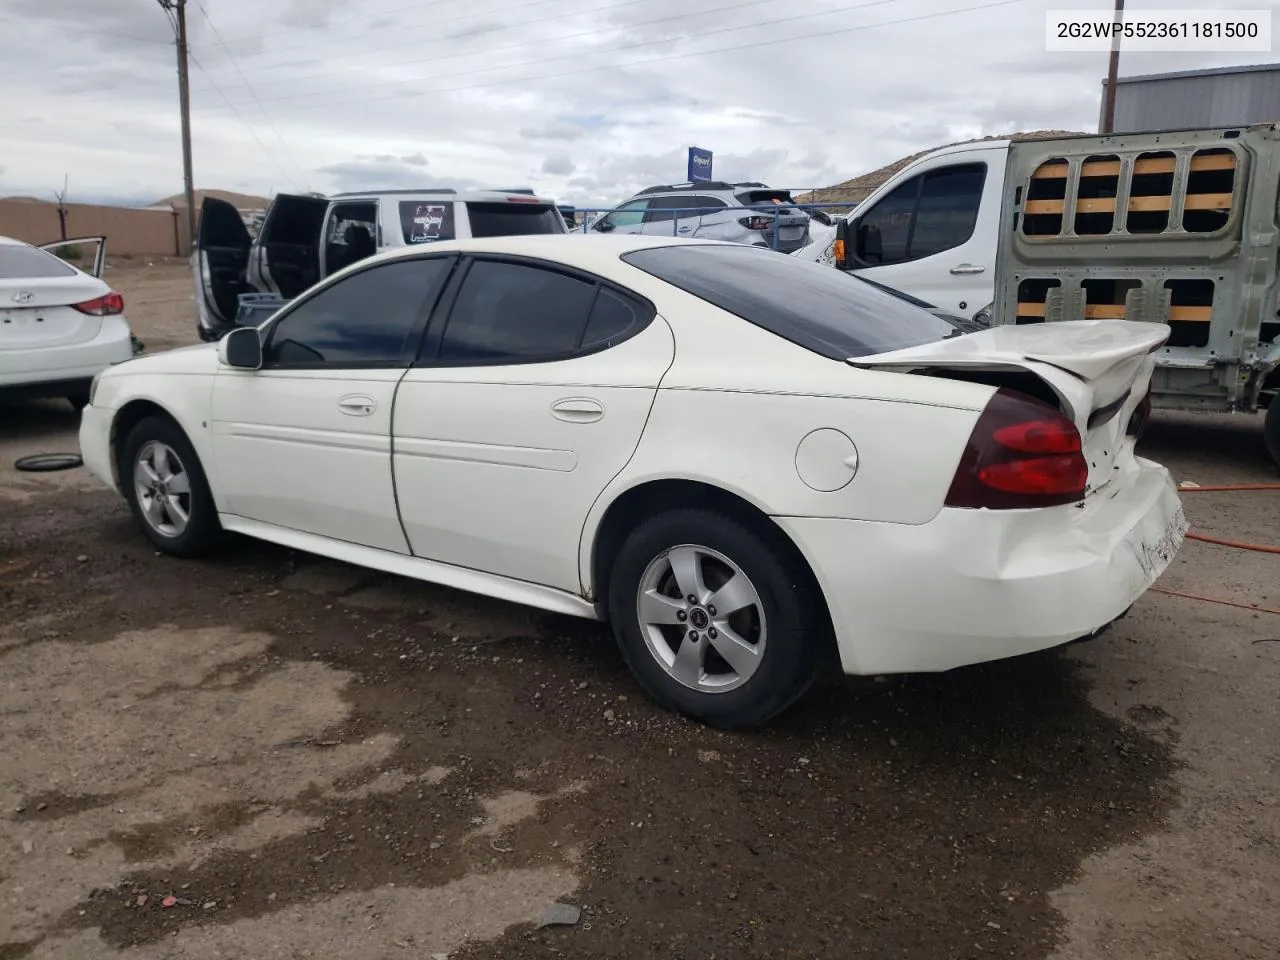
pixel 13 242
pixel 442 193
pixel 571 249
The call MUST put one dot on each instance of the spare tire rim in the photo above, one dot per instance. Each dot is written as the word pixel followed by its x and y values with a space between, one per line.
pixel 163 488
pixel 701 618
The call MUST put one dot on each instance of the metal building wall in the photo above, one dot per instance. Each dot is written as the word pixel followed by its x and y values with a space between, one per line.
pixel 1230 96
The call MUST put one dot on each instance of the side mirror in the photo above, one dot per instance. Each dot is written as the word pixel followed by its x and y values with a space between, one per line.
pixel 604 224
pixel 843 249
pixel 241 348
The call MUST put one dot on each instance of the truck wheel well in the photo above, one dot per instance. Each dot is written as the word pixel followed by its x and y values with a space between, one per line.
pixel 128 417
pixel 637 504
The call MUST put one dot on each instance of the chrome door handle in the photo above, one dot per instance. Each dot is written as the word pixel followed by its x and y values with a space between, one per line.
pixel 964 268
pixel 686 228
pixel 577 410
pixel 357 405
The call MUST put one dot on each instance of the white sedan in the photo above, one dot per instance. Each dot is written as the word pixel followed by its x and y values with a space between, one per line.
pixel 59 325
pixel 752 466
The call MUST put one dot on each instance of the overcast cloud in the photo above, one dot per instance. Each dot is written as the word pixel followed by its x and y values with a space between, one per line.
pixel 584 100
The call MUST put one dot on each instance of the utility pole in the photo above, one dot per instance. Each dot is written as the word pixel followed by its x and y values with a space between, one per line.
pixel 1113 68
pixel 177 11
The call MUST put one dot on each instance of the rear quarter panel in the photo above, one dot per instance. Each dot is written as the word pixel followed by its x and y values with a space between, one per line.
pixel 738 400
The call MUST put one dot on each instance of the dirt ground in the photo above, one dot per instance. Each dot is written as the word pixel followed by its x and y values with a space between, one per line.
pixel 318 761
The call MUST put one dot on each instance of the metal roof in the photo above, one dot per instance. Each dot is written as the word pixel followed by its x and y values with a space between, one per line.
pixel 1207 72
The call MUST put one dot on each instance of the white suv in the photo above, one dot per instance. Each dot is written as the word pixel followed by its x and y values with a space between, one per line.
pixel 306 238
pixel 749 213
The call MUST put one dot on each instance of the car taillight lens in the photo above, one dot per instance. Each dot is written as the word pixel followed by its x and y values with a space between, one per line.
pixel 1022 453
pixel 757 223
pixel 1138 419
pixel 105 306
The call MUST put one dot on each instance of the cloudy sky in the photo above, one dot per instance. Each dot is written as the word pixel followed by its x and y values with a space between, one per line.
pixel 585 100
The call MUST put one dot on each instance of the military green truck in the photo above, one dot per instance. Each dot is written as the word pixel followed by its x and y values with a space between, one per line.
pixel 1177 227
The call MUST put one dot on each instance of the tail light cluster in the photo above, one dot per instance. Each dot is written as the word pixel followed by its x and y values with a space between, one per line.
pixel 1022 453
pixel 757 223
pixel 105 306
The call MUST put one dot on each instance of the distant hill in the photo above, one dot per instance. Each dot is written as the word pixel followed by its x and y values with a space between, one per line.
pixel 241 201
pixel 858 188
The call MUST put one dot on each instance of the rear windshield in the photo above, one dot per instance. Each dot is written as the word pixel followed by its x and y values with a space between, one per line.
pixel 811 305
pixel 754 197
pixel 22 263
pixel 513 219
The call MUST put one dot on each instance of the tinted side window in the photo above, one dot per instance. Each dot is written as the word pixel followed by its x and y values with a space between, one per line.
pixel 629 214
pixel 612 318
pixel 511 311
pixel 707 203
pixel 948 209
pixel 664 209
pixel 371 317
pixel 424 221
pixel 513 219
pixel 884 230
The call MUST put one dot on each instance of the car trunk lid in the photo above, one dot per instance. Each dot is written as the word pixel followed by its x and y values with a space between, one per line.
pixel 1098 371
pixel 39 312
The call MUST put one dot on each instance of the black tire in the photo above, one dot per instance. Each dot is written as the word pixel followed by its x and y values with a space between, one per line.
pixel 793 609
pixel 1271 429
pixel 202 532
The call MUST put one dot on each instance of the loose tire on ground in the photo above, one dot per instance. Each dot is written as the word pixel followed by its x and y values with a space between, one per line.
pixel 166 488
pixel 782 617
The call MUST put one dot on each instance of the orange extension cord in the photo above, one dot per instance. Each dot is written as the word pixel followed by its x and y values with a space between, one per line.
pixel 1236 544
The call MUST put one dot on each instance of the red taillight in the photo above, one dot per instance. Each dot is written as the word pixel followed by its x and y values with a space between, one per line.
pixel 1022 453
pixel 523 200
pixel 105 306
pixel 757 223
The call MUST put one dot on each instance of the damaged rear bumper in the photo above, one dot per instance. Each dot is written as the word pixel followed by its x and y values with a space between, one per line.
pixel 978 585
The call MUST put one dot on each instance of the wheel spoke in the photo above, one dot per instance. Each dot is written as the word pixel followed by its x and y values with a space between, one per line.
pixel 179 483
pixel 742 656
pixel 154 510
pixel 148 471
pixel 177 516
pixel 686 565
pixel 688 663
pixel 658 609
pixel 160 456
pixel 736 594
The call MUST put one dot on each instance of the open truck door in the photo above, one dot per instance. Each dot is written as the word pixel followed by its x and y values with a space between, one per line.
pixel 219 264
pixel 286 255
pixel 88 254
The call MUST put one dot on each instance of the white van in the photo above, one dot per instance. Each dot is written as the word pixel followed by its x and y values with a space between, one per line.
pixel 931 230
pixel 304 239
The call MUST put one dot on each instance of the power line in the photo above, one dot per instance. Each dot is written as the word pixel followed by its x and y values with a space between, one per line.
pixel 262 146
pixel 625 46
pixel 276 130
pixel 666 59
